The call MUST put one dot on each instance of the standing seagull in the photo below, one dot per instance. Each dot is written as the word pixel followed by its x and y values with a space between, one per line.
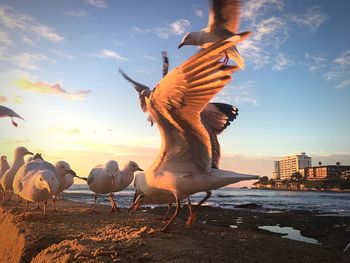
pixel 183 166
pixel 7 178
pixel 7 112
pixel 102 179
pixel 126 177
pixel 4 166
pixel 223 23
pixel 36 181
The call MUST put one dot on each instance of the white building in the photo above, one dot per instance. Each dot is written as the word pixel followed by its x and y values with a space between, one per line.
pixel 288 165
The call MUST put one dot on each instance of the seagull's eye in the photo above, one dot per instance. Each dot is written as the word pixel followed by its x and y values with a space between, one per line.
pixel 41 179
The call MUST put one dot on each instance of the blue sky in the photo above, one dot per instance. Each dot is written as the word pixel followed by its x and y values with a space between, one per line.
pixel 59 65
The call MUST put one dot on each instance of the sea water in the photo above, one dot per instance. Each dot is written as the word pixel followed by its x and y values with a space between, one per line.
pixel 334 203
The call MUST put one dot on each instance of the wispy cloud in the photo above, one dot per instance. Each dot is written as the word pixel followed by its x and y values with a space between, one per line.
pixel 5 39
pixel 48 88
pixel 271 28
pixel 253 9
pixel 282 62
pixel 242 94
pixel 27 25
pixel 336 70
pixel 312 18
pixel 106 53
pixel 178 27
pixel 149 57
pixel 97 3
pixel 199 12
pixel 3 99
pixel 26 61
pixel 76 13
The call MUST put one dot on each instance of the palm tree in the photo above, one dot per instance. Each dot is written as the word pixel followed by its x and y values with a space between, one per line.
pixel 319 163
pixel 297 178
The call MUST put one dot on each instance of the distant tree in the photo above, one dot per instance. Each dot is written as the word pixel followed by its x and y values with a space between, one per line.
pixel 272 182
pixel 319 163
pixel 297 179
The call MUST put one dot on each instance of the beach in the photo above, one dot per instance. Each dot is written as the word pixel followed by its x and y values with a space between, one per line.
pixel 219 235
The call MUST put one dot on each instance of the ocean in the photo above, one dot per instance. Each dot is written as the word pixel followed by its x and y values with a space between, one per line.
pixel 270 201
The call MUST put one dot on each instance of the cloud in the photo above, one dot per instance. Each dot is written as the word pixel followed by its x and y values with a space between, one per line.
pixel 149 57
pixel 27 25
pixel 3 99
pixel 56 88
pixel 76 13
pixel 282 62
pixel 199 12
pixel 254 9
pixel 97 3
pixel 106 53
pixel 178 27
pixel 269 34
pixel 4 39
pixel 26 61
pixel 336 70
pixel 241 94
pixel 312 18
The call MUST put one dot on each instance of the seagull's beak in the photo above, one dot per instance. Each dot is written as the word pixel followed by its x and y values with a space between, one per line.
pixel 181 44
pixel 29 153
pixel 140 169
pixel 47 186
pixel 72 173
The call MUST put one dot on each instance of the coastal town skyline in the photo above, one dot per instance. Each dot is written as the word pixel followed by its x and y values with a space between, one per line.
pixel 59 69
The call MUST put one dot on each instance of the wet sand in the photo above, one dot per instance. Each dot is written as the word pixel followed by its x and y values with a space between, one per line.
pixel 74 235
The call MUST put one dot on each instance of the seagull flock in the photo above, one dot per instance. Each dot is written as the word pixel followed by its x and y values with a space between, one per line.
pixel 188 122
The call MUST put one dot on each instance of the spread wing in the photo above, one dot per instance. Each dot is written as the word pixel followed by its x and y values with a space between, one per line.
pixel 224 14
pixel 142 90
pixel 178 99
pixel 216 117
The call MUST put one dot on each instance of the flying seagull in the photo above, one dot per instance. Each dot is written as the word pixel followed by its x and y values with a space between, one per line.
pixel 223 23
pixel 7 112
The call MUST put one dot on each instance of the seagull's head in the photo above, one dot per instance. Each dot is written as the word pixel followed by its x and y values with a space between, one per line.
pixel 63 168
pixel 133 167
pixel 22 151
pixel 46 180
pixel 3 158
pixel 189 39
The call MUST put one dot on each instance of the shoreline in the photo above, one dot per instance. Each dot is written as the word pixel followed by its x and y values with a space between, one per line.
pixel 303 190
pixel 74 235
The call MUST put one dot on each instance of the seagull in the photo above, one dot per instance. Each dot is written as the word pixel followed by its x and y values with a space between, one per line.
pixel 7 178
pixel 7 112
pixel 4 166
pixel 215 118
pixel 223 23
pixel 36 181
pixel 101 180
pixel 63 171
pixel 126 177
pixel 183 166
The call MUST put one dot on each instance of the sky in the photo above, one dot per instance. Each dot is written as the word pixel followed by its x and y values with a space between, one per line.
pixel 59 63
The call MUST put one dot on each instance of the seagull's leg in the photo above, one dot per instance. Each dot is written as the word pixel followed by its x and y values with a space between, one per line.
pixel 192 216
pixel 93 211
pixel 114 207
pixel 226 59
pixel 25 210
pixel 54 204
pixel 178 207
pixel 62 196
pixel 10 196
pixel 136 204
pixel 44 210
pixel 37 206
pixel 19 200
pixel 165 218
pixel 203 200
pixel 3 196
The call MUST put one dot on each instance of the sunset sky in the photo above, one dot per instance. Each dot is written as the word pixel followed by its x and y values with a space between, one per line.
pixel 59 63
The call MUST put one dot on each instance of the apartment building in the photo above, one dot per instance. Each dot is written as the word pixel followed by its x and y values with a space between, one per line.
pixel 288 165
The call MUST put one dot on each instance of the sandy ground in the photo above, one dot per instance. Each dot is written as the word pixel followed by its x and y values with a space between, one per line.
pixel 74 235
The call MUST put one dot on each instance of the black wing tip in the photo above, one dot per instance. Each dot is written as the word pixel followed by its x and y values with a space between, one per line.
pixel 229 110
